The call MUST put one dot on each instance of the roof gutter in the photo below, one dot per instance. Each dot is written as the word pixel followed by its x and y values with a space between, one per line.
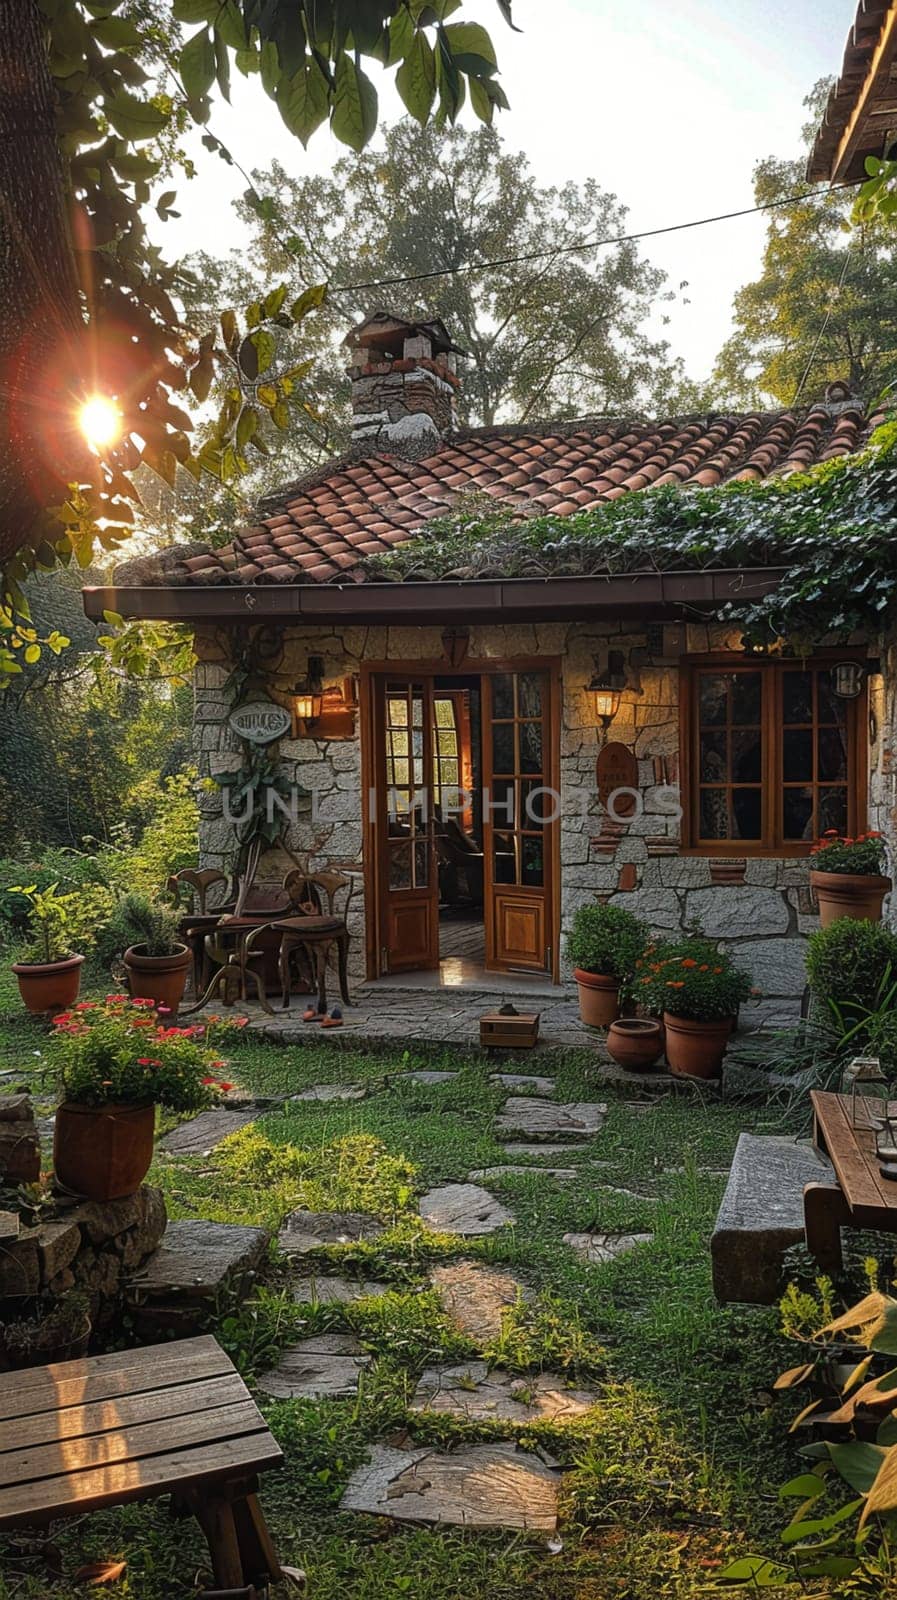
pixel 649 595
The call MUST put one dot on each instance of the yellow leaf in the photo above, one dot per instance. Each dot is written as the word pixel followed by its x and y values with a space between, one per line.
pixel 96 1572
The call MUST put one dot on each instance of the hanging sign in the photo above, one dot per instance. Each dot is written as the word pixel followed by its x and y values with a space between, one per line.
pixel 260 721
pixel 617 775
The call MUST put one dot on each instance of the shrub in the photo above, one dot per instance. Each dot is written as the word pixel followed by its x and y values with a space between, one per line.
pixel 169 842
pixel 834 853
pixel 691 978
pixel 852 969
pixel 137 919
pixel 58 925
pixel 118 1051
pixel 881 1041
pixel 606 940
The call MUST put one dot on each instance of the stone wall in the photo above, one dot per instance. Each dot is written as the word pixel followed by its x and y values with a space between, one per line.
pixel 760 907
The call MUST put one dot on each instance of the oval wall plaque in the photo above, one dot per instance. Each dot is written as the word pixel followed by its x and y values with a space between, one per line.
pixel 260 721
pixel 617 769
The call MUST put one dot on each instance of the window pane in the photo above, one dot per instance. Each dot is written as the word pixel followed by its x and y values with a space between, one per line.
pixel 399 743
pixel 398 713
pixel 503 695
pixel 714 814
pixel 530 746
pixel 529 692
pixel 747 766
pixel 532 862
pixel 501 803
pixel 747 814
pixel 797 697
pixel 832 752
pixel 417 712
pixel 833 810
pixel 444 712
pixel 503 747
pixel 401 773
pixel 421 864
pixel 714 698
pixel 400 866
pixel 714 757
pixel 535 803
pixel 746 697
pixel 449 772
pixel 797 755
pixel 447 743
pixel 798 814
pixel 505 871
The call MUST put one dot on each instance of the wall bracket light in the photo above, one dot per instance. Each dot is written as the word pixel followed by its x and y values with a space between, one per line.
pixel 606 688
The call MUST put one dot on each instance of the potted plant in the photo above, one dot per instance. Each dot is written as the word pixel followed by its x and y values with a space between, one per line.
pixel 47 1328
pixel 635 1042
pixel 698 991
pixel 49 973
pixel 145 933
pixel 604 944
pixel 846 877
pixel 117 1062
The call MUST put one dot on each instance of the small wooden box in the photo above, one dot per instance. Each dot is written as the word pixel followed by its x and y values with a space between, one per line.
pixel 510 1032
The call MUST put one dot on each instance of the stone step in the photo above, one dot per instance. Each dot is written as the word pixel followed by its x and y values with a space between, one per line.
pixel 202 1134
pixel 483 1486
pixel 475 1393
pixel 328 1291
pixel 545 1120
pixel 326 1367
pixel 761 1216
pixel 475 1297
pixel 327 1092
pixel 303 1231
pixel 599 1248
pixel 463 1208
pixel 199 1269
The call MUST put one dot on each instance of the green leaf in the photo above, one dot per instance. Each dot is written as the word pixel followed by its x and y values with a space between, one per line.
pixel 265 346
pixel 116 33
pixel 354 106
pixel 222 66
pixel 197 64
pixel 806 1486
pixel 401 36
pixel 133 118
pixel 273 301
pixel 807 1527
pixel 857 1463
pixel 470 39
pixel 195 10
pixel 758 1571
pixel 247 425
pixel 308 300
pixel 416 78
pixel 303 100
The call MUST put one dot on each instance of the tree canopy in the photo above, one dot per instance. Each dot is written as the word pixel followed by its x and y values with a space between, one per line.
pixel 825 304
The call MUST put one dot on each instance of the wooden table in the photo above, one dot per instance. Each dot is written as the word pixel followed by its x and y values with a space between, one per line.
pixel 171 1419
pixel 861 1197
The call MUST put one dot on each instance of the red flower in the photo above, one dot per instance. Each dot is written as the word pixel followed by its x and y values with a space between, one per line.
pixel 148 1061
pixel 61 1018
pixel 224 1087
pixel 208 1081
pixel 141 1000
pixel 240 1022
pixel 676 983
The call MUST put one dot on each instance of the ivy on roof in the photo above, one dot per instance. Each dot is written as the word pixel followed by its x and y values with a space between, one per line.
pixel 834 527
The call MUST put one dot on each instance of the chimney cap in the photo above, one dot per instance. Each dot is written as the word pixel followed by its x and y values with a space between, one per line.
pixel 384 331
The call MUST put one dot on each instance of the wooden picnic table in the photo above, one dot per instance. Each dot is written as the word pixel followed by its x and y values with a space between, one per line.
pixel 169 1419
pixel 861 1197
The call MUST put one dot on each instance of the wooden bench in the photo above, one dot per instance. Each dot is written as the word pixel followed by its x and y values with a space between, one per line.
pixel 861 1198
pixel 169 1419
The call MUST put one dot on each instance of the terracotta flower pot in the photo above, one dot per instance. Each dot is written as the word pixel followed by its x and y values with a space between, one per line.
pixel 48 987
pixel 103 1152
pixel 849 894
pixel 635 1042
pixel 599 998
pixel 159 978
pixel 696 1049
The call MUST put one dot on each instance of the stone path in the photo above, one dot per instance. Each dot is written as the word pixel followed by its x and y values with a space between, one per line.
pixel 327 1367
pixel 475 1297
pixel 560 1174
pixel 425 1076
pixel 202 1134
pixel 309 1230
pixel 599 1248
pixel 199 1268
pixel 332 1091
pixel 484 1486
pixel 542 1152
pixel 525 1082
pixel 475 1394
pixel 544 1119
pixel 463 1208
pixel 336 1291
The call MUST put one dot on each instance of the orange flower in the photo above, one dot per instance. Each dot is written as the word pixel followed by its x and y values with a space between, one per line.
pixel 688 962
pixel 717 969
pixel 703 967
pixel 676 983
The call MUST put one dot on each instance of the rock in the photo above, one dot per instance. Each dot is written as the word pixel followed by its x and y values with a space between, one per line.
pixel 10 1225
pixel 463 1208
pixel 543 1119
pixel 337 1291
pixel 542 1152
pixel 199 1269
pixel 484 1486
pixel 524 1081
pixel 476 1297
pixel 102 1220
pixel 776 966
pixel 332 1091
pixel 201 1134
pixel 58 1244
pixel 560 1174
pixel 599 1248
pixel 16 1108
pixel 19 1153
pixel 761 1216
pixel 325 1367
pixel 426 1077
pixel 476 1394
pixel 309 1230
pixel 20 1265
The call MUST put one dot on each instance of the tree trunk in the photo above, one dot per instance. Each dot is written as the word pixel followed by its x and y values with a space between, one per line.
pixel 40 319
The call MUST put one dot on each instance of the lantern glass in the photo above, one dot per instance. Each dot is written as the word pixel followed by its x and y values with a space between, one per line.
pixel 607 703
pixel 306 705
pixel 869 1090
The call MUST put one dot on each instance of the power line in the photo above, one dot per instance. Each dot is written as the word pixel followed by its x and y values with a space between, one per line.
pixel 826 320
pixel 574 249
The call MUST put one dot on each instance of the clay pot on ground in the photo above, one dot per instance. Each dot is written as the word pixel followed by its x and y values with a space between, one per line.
pixel 49 987
pixel 849 894
pixel 47 1332
pixel 159 978
pixel 599 998
pixel 635 1042
pixel 103 1152
pixel 696 1049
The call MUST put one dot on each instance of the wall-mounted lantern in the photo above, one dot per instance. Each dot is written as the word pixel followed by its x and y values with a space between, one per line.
pixel 606 688
pixel 847 679
pixel 307 698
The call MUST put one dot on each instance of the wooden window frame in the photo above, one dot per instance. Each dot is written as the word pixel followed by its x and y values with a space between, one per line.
pixel 773 844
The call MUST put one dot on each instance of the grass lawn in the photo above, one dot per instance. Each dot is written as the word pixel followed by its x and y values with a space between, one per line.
pixel 675 1469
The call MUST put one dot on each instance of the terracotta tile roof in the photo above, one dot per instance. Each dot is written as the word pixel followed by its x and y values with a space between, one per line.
pixel 863 42
pixel 315 530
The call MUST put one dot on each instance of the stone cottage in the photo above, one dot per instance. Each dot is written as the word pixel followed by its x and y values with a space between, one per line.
pixel 484 754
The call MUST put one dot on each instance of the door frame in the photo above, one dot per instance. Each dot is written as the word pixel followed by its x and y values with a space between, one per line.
pixel 471 667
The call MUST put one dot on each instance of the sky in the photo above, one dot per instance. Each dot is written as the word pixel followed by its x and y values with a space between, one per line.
pixel 667 103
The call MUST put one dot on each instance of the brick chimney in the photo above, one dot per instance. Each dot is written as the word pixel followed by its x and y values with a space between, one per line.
pixel 404 385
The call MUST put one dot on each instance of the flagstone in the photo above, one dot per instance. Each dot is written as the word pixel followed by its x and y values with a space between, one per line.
pixel 336 1291
pixel 524 1082
pixel 484 1486
pixel 326 1367
pixel 473 1392
pixel 425 1076
pixel 544 1152
pixel 599 1248
pixel 309 1230
pixel 475 1297
pixel 332 1091
pixel 463 1208
pixel 543 1119
pixel 561 1174
pixel 204 1133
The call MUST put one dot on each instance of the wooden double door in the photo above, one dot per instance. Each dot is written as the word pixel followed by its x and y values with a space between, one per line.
pixel 516 806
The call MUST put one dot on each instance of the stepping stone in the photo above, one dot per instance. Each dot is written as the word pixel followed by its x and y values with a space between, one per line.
pixel 332 1091
pixel 762 1214
pixel 542 1152
pixel 426 1077
pixel 198 1270
pixel 463 1208
pixel 336 1291
pixel 327 1367
pixel 476 1394
pixel 201 1134
pixel 485 1486
pixel 627 1194
pixel 542 1119
pixel 475 1297
pixel 599 1248
pixel 524 1082
pixel 561 1174
pixel 309 1230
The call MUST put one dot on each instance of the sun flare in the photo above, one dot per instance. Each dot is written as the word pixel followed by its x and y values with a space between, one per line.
pixel 100 421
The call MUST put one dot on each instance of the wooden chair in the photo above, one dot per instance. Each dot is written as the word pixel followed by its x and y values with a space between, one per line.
pixel 190 890
pixel 315 930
